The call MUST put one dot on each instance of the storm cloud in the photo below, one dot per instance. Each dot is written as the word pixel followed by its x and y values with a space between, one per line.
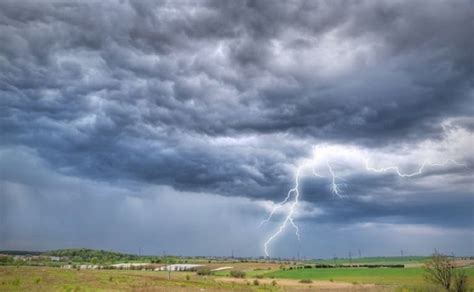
pixel 225 98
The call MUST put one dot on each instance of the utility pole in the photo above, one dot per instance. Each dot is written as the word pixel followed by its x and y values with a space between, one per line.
pixel 359 254
pixel 350 257
pixel 335 257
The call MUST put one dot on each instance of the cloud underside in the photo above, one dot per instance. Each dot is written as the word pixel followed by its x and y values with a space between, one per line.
pixel 226 99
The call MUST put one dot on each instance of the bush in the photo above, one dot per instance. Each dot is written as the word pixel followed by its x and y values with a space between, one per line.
pixel 306 281
pixel 237 274
pixel 256 282
pixel 188 277
pixel 204 272
pixel 4 259
pixel 274 283
pixel 460 281
pixel 259 276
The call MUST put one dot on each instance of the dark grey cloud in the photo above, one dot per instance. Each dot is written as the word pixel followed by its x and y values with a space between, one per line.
pixel 41 209
pixel 225 97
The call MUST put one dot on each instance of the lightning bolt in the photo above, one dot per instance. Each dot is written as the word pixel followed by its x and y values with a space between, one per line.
pixel 295 190
pixel 334 186
pixel 289 216
pixel 425 163
pixel 335 189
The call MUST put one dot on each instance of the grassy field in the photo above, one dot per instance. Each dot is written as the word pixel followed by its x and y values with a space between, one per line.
pixel 21 278
pixel 385 276
pixel 375 260
pixel 56 279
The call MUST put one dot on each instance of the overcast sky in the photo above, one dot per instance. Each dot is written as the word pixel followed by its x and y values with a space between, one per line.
pixel 176 126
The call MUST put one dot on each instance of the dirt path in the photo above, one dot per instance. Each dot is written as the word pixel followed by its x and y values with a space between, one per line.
pixel 325 285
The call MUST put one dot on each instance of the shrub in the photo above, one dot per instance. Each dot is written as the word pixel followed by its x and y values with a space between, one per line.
pixel 188 277
pixel 4 259
pixel 306 281
pixel 203 272
pixel 237 274
pixel 460 281
pixel 274 283
pixel 259 276
pixel 256 282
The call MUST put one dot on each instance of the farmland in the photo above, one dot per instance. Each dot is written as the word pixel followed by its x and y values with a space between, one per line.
pixel 383 276
pixel 86 270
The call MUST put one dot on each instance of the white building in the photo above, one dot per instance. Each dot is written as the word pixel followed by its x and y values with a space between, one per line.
pixel 178 267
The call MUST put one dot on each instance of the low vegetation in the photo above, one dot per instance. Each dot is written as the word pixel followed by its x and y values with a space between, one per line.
pixel 204 271
pixel 84 269
pixel 237 274
pixel 381 276
pixel 53 279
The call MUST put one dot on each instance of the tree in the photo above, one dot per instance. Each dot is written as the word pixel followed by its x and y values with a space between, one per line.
pixel 441 271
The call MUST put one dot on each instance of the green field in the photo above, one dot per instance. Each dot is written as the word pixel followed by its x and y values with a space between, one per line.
pixel 43 274
pixel 57 279
pixel 374 260
pixel 385 276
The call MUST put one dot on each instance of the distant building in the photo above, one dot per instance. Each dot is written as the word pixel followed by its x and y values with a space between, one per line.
pixel 178 267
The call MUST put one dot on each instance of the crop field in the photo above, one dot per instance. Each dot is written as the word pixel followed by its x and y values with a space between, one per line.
pixel 384 276
pixel 407 260
pixel 89 270
pixel 57 279
pixel 338 279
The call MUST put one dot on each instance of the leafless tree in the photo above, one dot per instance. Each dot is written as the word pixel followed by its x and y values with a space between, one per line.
pixel 441 271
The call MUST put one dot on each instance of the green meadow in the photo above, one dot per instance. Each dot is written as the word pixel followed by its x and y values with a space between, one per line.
pixel 383 276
